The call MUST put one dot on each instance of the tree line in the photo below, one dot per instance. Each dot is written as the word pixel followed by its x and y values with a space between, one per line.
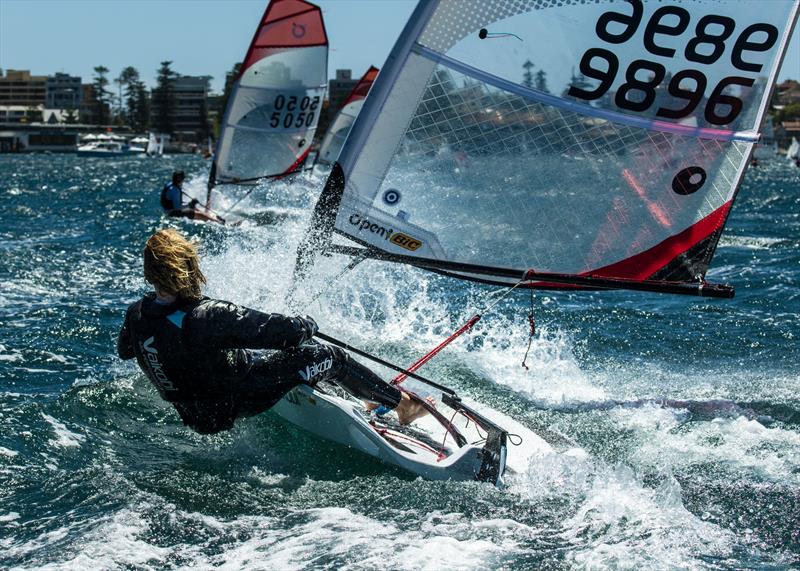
pixel 133 105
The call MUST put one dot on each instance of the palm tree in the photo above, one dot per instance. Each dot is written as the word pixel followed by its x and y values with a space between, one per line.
pixel 164 97
pixel 527 77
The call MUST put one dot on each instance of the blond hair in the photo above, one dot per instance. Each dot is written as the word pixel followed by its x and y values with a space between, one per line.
pixel 172 265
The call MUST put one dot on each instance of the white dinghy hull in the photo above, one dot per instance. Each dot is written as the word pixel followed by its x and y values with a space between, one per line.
pixel 410 448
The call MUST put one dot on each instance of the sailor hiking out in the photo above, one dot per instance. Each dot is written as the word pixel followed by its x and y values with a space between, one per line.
pixel 172 195
pixel 216 361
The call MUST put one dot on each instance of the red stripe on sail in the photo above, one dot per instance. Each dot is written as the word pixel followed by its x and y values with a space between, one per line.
pixel 655 209
pixel 645 264
pixel 286 24
pixel 300 160
pixel 361 89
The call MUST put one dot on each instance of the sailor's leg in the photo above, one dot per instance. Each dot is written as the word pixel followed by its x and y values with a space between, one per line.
pixel 361 382
pixel 275 373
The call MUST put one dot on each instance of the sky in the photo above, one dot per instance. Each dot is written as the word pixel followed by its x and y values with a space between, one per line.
pixel 200 37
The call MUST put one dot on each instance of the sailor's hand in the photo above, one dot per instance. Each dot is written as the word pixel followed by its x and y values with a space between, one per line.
pixel 310 326
pixel 193 202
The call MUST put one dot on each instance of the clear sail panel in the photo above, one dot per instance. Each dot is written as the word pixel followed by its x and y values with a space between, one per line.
pixel 603 138
pixel 272 114
pixel 337 134
pixel 706 61
pixel 487 177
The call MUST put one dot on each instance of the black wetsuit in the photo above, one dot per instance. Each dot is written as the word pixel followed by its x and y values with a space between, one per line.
pixel 196 354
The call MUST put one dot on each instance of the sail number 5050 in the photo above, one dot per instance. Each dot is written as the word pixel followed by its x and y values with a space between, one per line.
pixel 294 111
pixel 706 47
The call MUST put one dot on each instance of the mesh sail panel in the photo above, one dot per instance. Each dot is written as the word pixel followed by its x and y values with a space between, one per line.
pixel 275 103
pixel 590 138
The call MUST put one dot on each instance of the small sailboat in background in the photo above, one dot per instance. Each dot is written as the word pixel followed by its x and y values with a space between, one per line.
pixel 275 102
pixel 340 126
pixel 793 152
pixel 156 144
pixel 767 147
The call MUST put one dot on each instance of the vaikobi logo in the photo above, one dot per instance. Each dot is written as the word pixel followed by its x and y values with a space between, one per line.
pixel 315 369
pixel 155 366
pixel 398 238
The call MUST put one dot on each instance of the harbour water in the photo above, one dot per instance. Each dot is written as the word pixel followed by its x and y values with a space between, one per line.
pixel 687 411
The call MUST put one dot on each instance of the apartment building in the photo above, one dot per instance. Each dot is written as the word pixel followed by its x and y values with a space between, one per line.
pixel 19 87
pixel 190 112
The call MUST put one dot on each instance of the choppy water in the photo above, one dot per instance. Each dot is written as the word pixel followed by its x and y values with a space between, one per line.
pixel 95 471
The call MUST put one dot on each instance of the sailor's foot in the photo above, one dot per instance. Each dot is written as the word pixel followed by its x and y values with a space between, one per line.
pixel 410 409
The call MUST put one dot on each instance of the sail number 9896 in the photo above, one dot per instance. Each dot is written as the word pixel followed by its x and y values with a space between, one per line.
pixel 706 47
pixel 293 111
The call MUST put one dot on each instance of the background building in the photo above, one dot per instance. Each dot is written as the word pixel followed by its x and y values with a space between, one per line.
pixel 19 87
pixel 89 107
pixel 339 88
pixel 189 107
pixel 63 91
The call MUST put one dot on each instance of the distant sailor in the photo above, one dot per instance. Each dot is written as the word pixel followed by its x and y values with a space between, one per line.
pixel 203 354
pixel 172 201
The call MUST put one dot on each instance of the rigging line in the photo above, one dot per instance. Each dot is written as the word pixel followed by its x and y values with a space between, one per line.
pixel 383 362
pixel 531 333
pixel 290 171
pixel 246 194
pixel 460 331
pixel 353 263
pixel 493 35
pixel 441 454
pixel 505 294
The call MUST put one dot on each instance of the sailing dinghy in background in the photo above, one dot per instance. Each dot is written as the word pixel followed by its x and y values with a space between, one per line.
pixel 275 102
pixel 793 152
pixel 342 123
pixel 619 176
pixel 156 144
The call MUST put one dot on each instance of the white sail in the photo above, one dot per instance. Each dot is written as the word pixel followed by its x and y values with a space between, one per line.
pixel 274 105
pixel 340 126
pixel 597 139
pixel 793 151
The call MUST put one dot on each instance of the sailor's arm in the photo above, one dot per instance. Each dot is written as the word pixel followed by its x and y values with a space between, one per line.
pixel 124 341
pixel 224 324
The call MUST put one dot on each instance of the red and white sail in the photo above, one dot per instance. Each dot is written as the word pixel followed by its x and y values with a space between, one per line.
pixel 275 102
pixel 340 127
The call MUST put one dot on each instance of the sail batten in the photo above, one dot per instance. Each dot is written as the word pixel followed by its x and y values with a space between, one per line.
pixel 604 139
